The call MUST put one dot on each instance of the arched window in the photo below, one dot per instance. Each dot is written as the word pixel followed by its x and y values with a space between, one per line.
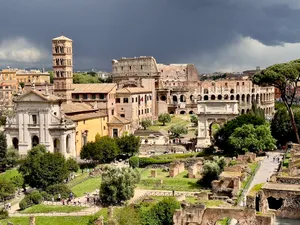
pixel 35 141
pixel 238 97
pixel 15 142
pixel 68 143
pixel 212 97
pixel 175 100
pixel 232 97
pixel 232 91
pixel 205 97
pixel 182 112
pixel 163 98
pixel 205 91
pixel 219 97
pixel 56 145
pixel 226 97
pixel 182 98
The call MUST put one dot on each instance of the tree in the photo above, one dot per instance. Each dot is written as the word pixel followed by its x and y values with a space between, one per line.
pixel 2 120
pixel 250 138
pixel 118 185
pixel 12 157
pixel 178 130
pixel 3 151
pixel 97 137
pixel 257 111
pixel 51 73
pixel 41 168
pixel 221 137
pixel 72 165
pixel 161 213
pixel 104 151
pixel 146 123
pixel 7 189
pixel 194 119
pixel 285 77
pixel 164 118
pixel 84 78
pixel 211 171
pixel 129 144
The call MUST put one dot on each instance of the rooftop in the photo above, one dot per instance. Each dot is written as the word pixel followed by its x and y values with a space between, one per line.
pixel 86 116
pixel 93 88
pixel 118 120
pixel 132 90
pixel 282 187
pixel 62 37
pixel 71 108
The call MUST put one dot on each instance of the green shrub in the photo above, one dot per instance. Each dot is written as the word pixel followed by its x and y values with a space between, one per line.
pixel 36 197
pixel 45 196
pixel 23 204
pixel 143 162
pixel 55 189
pixel 134 161
pixel 3 214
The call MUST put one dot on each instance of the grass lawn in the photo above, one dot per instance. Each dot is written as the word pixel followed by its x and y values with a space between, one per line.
pixel 89 186
pixel 57 220
pixel 178 183
pixel 52 208
pixel 175 120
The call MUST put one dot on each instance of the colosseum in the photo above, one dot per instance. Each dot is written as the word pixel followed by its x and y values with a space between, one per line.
pixel 177 87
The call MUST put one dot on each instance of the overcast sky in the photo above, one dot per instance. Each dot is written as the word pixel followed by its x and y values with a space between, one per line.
pixel 215 35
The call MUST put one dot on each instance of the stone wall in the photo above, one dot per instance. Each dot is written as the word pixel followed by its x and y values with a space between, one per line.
pixel 288 180
pixel 249 157
pixel 195 170
pixel 227 186
pixel 176 168
pixel 200 215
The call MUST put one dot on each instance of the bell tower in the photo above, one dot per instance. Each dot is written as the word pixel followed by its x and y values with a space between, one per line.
pixel 62 53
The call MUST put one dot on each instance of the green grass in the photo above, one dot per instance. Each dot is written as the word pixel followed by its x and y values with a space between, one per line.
pixel 52 208
pixel 286 163
pixel 178 183
pixel 176 156
pixel 175 120
pixel 256 188
pixel 224 221
pixel 87 186
pixel 288 155
pixel 50 220
pixel 78 179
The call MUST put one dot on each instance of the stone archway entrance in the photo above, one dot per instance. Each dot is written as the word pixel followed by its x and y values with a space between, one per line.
pixel 213 111
pixel 35 140
pixel 56 145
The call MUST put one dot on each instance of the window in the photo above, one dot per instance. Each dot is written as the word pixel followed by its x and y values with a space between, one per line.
pixel 102 96
pixel 117 100
pixel 84 122
pixel 85 96
pixel 125 100
pixel 54 113
pixel 226 85
pixel 132 100
pixel 130 67
pixel 104 128
pixel 243 83
pixel 121 67
pixel 139 112
pixel 141 67
pixel 115 132
pixel 122 115
pixel 150 97
pixel 112 112
pixel 34 119
pixel 93 96
pixel 237 83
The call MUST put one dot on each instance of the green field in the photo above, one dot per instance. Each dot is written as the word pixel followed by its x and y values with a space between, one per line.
pixel 178 183
pixel 175 120
pixel 52 208
pixel 87 186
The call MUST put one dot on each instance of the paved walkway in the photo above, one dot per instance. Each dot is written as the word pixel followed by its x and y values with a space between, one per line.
pixel 267 168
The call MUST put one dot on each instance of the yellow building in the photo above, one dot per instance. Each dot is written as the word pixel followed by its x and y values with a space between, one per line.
pixel 89 123
pixel 8 86
pixel 28 76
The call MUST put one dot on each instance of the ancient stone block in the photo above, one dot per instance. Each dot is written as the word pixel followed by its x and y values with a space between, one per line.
pixel 176 168
pixel 153 173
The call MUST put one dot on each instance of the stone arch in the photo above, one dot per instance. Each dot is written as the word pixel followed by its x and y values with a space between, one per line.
pixel 35 140
pixel 257 98
pixel 172 112
pixel 253 98
pixel 212 97
pixel 226 97
pixel 205 91
pixel 243 98
pixel 232 97
pixel 182 98
pixel 199 98
pixel 219 97
pixel 243 111
pixel 232 91
pixel 182 112
pixel 163 98
pixel 192 97
pixel 56 145
pixel 175 99
pixel 238 97
pixel 68 143
pixel 205 97
pixel 248 98
pixel 15 142
pixel 261 98
pixel 248 110
pixel 212 127
pixel 191 112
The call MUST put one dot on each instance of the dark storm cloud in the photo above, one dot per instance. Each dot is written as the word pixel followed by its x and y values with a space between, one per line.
pixel 169 30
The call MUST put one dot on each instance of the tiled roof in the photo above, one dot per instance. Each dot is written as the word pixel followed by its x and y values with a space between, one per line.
pixel 62 37
pixel 132 90
pixel 93 88
pixel 41 94
pixel 70 108
pixel 118 120
pixel 86 116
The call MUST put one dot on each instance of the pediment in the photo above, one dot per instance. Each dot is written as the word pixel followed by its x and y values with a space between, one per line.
pixel 32 97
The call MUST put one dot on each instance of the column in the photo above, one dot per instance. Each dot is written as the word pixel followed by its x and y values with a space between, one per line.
pixel 26 134
pixel 20 123
pixel 63 149
pixel 46 120
pixel 41 123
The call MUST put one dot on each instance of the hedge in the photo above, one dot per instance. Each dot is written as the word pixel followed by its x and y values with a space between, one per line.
pixel 143 161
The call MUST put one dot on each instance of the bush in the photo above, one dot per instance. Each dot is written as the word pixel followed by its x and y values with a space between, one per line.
pixel 36 197
pixel 3 214
pixel 143 162
pixel 45 196
pixel 72 165
pixel 134 161
pixel 25 203
pixel 56 189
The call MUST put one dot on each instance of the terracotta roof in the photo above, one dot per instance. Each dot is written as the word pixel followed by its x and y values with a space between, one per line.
pixel 86 116
pixel 93 88
pixel 118 120
pixel 70 108
pixel 132 90
pixel 62 37
pixel 41 94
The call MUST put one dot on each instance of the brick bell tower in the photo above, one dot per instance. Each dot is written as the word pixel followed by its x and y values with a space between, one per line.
pixel 62 53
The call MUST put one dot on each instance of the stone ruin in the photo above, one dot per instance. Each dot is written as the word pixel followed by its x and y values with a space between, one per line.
pixel 249 157
pixel 201 215
pixel 195 170
pixel 176 168
pixel 281 195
